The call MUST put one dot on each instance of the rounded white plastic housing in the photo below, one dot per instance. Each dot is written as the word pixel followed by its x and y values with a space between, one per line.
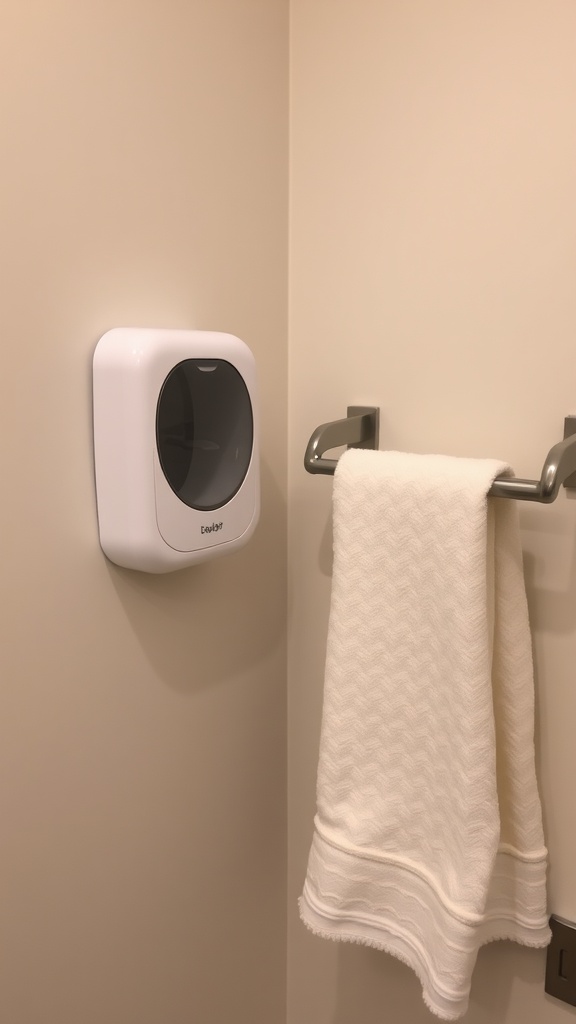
pixel 176 446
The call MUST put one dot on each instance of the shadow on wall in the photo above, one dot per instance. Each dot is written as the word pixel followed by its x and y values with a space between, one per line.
pixel 551 611
pixel 374 987
pixel 207 623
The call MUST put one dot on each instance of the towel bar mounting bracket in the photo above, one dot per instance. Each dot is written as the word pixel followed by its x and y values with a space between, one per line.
pixel 358 430
pixel 569 431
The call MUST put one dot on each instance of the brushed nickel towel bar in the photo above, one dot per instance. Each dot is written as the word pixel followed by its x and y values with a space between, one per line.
pixel 360 430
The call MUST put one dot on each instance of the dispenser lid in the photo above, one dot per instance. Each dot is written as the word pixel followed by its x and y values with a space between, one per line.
pixel 204 432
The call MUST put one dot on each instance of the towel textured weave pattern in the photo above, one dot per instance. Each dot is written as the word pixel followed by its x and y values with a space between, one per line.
pixel 428 837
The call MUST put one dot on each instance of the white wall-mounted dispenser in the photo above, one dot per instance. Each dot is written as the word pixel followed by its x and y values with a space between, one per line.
pixel 176 446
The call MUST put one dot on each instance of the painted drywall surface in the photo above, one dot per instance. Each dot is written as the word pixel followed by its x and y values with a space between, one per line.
pixel 142 761
pixel 433 159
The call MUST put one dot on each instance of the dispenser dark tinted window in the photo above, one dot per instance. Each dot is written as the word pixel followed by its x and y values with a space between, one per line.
pixel 204 432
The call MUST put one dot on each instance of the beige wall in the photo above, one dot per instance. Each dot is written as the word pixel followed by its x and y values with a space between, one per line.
pixel 142 719
pixel 432 273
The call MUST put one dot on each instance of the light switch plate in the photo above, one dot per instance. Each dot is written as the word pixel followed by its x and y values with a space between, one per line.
pixel 561 961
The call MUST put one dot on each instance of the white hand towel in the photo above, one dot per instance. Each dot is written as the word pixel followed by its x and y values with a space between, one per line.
pixel 428 836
